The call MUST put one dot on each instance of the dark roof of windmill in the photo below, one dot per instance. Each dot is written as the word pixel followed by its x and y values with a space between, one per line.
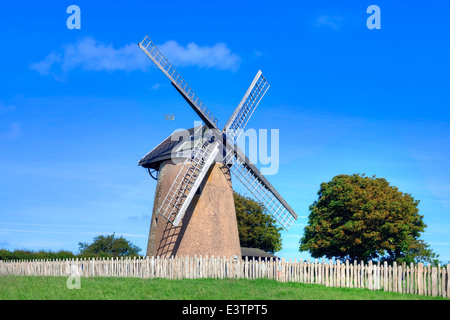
pixel 163 151
pixel 256 254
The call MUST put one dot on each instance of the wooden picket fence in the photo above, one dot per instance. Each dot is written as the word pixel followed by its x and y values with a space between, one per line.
pixel 402 278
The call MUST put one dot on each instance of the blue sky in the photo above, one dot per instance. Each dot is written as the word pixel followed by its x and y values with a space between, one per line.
pixel 79 108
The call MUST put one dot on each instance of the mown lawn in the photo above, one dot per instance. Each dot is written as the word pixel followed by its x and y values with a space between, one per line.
pixel 98 288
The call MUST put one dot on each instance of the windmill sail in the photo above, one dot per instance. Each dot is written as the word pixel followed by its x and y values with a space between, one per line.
pixel 242 168
pixel 241 115
pixel 189 178
pixel 195 167
pixel 262 190
pixel 178 82
pixel 246 107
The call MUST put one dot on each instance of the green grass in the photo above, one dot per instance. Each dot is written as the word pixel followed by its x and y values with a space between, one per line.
pixel 98 288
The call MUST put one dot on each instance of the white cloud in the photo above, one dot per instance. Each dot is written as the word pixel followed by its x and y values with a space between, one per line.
pixel 44 66
pixel 155 87
pixel 217 56
pixel 327 21
pixel 92 55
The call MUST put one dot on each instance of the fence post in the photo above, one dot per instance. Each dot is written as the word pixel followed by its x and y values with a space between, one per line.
pixel 401 278
pixel 330 273
pixel 378 275
pixel 310 271
pixel 352 271
pixel 339 269
pixel 355 274
pixel 347 274
pixel 314 272
pixel 295 270
pixel 411 278
pixel 420 278
pixel 447 284
pixel 336 274
pixel 302 271
pixel 370 275
pixel 417 278
pixel 362 283
pixel 426 279
pixel 374 276
pixel 224 268
pixel 394 276
pixel 406 280
pixel 322 272
pixel 305 271
pixel 434 281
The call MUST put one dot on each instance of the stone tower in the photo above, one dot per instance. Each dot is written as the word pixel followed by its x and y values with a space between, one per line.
pixel 209 226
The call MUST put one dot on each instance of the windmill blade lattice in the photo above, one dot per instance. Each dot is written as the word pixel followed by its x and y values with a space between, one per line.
pixel 203 154
pixel 262 190
pixel 161 62
pixel 246 107
pixel 238 120
pixel 189 178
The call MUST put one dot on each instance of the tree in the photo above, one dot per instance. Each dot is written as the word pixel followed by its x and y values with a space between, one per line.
pixel 257 228
pixel 108 246
pixel 358 217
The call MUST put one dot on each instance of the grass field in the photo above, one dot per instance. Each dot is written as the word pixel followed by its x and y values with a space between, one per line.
pixel 98 288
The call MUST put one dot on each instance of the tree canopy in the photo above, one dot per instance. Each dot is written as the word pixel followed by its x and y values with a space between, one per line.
pixel 360 217
pixel 108 246
pixel 257 228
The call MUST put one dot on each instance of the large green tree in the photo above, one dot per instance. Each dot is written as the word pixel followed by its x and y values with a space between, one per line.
pixel 363 218
pixel 257 229
pixel 108 246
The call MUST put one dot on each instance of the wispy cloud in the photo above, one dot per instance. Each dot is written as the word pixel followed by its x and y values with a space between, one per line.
pixel 440 243
pixel 7 231
pixel 155 87
pixel 12 132
pixel 6 108
pixel 328 21
pixel 56 226
pixel 218 56
pixel 144 217
pixel 92 55
pixel 4 243
pixel 44 67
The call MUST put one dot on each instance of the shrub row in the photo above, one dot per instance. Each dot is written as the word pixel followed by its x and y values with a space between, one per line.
pixel 32 255
pixel 50 255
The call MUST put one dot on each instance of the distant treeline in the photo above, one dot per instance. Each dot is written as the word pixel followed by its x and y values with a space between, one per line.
pixel 42 254
pixel 32 255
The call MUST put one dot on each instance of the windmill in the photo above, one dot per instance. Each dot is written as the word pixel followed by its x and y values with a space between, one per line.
pixel 194 195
